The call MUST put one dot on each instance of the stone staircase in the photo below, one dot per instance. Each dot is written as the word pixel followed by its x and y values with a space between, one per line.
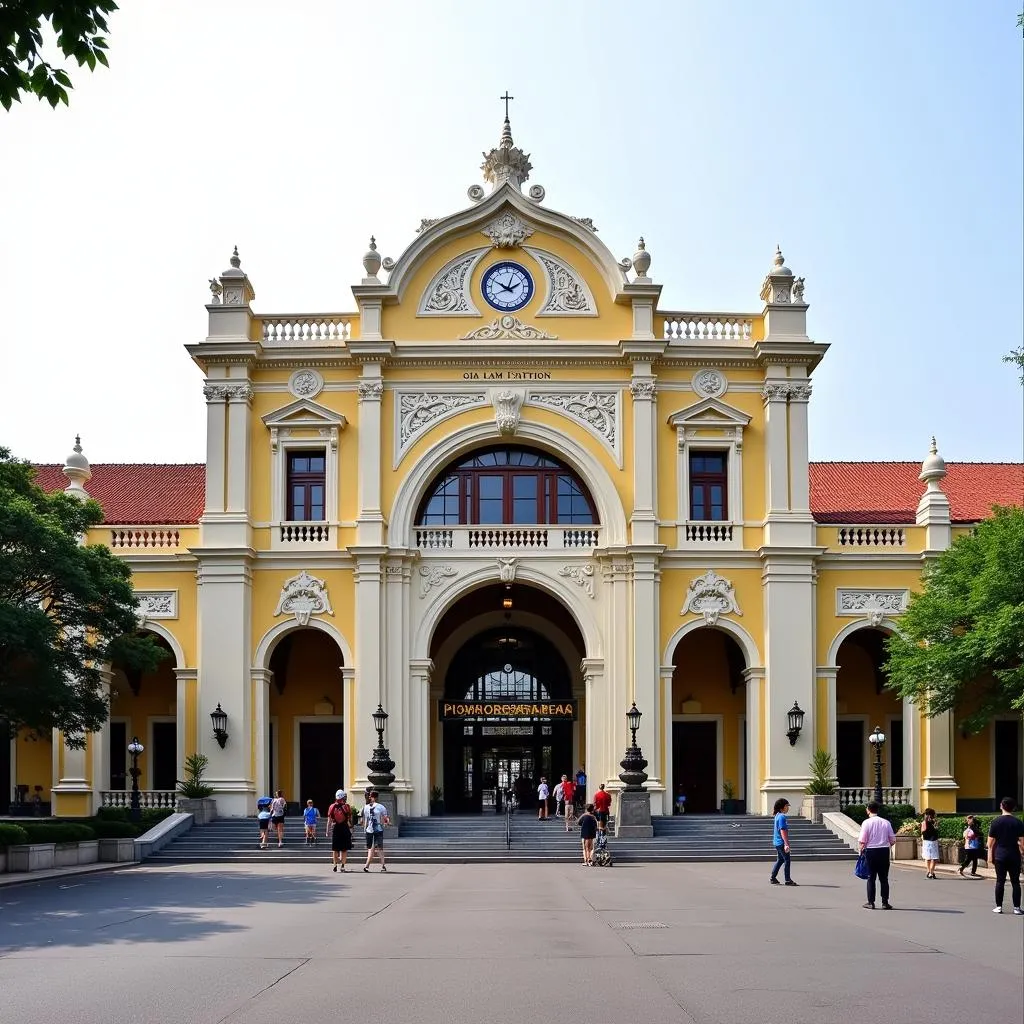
pixel 470 839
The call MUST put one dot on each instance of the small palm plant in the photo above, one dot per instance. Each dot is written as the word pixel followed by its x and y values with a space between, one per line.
pixel 822 769
pixel 193 787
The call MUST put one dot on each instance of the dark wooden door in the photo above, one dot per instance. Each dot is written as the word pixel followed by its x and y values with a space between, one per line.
pixel 695 764
pixel 165 755
pixel 119 755
pixel 850 742
pixel 321 763
pixel 1007 757
pixel 6 782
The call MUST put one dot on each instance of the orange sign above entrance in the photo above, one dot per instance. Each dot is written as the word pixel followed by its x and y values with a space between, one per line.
pixel 450 710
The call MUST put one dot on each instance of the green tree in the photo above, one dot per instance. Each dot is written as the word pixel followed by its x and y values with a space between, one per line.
pixel 1017 356
pixel 79 29
pixel 961 641
pixel 65 610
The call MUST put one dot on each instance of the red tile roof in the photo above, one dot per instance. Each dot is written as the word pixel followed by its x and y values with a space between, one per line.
pixel 888 492
pixel 139 493
pixel 841 492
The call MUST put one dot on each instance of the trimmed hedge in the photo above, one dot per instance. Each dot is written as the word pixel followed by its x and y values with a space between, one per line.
pixel 58 832
pixel 115 830
pixel 149 817
pixel 12 835
pixel 896 814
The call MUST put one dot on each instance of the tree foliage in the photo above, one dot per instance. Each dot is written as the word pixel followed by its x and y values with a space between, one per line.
pixel 961 641
pixel 65 610
pixel 79 29
pixel 1017 356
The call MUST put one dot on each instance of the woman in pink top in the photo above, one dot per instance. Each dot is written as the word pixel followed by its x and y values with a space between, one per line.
pixel 876 839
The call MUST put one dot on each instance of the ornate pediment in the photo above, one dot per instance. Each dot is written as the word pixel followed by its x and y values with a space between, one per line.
pixel 567 293
pixel 417 410
pixel 509 327
pixel 304 415
pixel 711 595
pixel 448 294
pixel 303 596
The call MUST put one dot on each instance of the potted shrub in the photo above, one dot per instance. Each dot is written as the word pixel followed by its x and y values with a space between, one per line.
pixel 436 802
pixel 820 796
pixel 906 840
pixel 730 805
pixel 194 795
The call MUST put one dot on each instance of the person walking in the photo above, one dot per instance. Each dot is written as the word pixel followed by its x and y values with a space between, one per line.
pixel 569 801
pixel 263 817
pixel 1005 850
pixel 876 839
pixel 339 822
pixel 602 807
pixel 972 845
pixel 375 819
pixel 929 842
pixel 278 806
pixel 588 833
pixel 780 839
pixel 560 797
pixel 542 799
pixel 580 793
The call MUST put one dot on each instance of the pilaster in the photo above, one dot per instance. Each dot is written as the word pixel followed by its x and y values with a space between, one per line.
pixel 99 748
pixel 72 795
pixel 776 394
pixel 643 520
pixel 939 787
pixel 756 741
pixel 666 674
pixel 598 724
pixel 420 671
pixel 647 668
pixel 912 751
pixel 399 699
pixel 261 680
pixel 369 688
pixel 370 522
pixel 185 723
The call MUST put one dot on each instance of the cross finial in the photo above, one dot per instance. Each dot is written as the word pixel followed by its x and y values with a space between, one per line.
pixel 506 98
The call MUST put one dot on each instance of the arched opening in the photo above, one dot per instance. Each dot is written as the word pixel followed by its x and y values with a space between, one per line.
pixel 306 732
pixel 509 696
pixel 862 702
pixel 507 485
pixel 145 704
pixel 709 725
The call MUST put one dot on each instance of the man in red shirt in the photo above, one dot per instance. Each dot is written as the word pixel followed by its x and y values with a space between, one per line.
pixel 568 791
pixel 602 805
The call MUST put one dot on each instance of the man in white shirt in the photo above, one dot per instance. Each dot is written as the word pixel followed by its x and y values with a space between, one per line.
pixel 375 819
pixel 542 800
pixel 876 838
pixel 559 800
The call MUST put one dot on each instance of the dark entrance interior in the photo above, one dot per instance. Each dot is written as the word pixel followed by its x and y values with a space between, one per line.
pixel 164 756
pixel 6 782
pixel 1007 759
pixel 119 755
pixel 321 763
pixel 695 764
pixel 850 742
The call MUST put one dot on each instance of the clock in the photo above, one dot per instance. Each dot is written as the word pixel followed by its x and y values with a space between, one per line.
pixel 507 286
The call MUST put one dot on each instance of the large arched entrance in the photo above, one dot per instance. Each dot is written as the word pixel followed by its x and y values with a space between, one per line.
pixel 507 664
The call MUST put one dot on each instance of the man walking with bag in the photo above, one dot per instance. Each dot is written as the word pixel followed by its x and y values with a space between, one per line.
pixel 876 839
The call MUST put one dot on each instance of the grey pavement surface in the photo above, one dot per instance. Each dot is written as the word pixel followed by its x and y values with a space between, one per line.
pixel 546 943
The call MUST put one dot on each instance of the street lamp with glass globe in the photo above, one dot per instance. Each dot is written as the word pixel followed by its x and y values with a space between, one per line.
pixel 135 748
pixel 877 740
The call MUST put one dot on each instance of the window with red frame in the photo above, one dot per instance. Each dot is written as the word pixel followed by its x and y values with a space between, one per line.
pixel 708 486
pixel 307 485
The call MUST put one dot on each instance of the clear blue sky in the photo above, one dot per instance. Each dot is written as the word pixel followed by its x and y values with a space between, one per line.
pixel 881 145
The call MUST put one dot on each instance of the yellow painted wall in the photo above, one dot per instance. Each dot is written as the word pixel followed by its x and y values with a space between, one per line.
pixel 973 764
pixel 33 764
pixel 157 698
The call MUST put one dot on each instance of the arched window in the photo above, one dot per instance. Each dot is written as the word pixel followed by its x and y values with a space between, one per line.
pixel 507 683
pixel 507 485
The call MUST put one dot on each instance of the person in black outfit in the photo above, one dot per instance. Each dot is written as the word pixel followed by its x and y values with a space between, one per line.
pixel 588 833
pixel 972 846
pixel 1005 849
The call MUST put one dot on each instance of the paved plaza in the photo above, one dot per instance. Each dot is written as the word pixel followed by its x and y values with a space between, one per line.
pixel 497 943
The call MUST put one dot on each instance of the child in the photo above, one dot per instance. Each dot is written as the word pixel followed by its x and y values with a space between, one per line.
pixel 310 816
pixel 972 846
pixel 263 817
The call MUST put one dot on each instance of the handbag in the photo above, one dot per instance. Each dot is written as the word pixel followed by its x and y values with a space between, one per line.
pixel 861 869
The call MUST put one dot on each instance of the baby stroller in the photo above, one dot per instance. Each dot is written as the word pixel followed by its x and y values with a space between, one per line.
pixel 602 855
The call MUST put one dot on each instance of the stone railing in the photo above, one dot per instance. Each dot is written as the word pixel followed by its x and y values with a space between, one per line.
pixel 305 533
pixel 707 326
pixel 144 537
pixel 315 329
pixel 147 798
pixel 871 537
pixel 865 794
pixel 491 538
pixel 708 533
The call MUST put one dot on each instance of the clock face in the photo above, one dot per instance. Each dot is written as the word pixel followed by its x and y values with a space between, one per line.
pixel 507 286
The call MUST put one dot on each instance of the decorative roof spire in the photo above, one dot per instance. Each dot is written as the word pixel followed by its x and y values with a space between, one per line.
pixel 933 469
pixel 506 136
pixel 77 470
pixel 236 260
pixel 371 263
pixel 506 163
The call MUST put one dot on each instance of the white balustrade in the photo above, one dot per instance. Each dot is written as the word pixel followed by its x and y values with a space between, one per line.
pixel 506 538
pixel 305 533
pixel 147 798
pixel 865 794
pixel 709 534
pixel 318 329
pixel 871 537
pixel 144 537
pixel 707 326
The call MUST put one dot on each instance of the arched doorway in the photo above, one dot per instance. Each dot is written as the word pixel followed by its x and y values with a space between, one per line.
pixel 507 661
pixel 862 702
pixel 306 730
pixel 709 726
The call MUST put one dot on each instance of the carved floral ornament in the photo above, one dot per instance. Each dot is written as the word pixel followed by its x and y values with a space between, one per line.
pixel 710 383
pixel 303 596
pixel 781 391
pixel 305 383
pixel 711 595
pixel 370 390
pixel 417 411
pixel 874 605
pixel 157 604
pixel 567 294
pixel 506 404
pixel 581 575
pixel 508 327
pixel 227 392
pixel 643 388
pixel 448 294
pixel 435 576
pixel 596 410
pixel 507 231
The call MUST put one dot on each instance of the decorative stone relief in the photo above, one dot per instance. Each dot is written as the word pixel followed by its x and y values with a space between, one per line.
pixel 799 392
pixel 228 392
pixel 710 383
pixel 581 575
pixel 586 222
pixel 435 576
pixel 873 605
pixel 417 411
pixel 157 604
pixel 775 392
pixel 427 222
pixel 507 569
pixel 507 405
pixel 508 327
pixel 215 291
pixel 303 596
pixel 507 231
pixel 370 390
pixel 596 410
pixel 643 388
pixel 711 595
pixel 305 383
pixel 567 294
pixel 233 297
pixel 448 294
pixel 798 291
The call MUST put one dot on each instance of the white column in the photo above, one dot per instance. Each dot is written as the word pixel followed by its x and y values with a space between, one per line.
pixel 348 703
pixel 618 686
pixel 216 446
pixel 369 644
pixel 72 781
pixel 912 751
pixel 398 697
pixel 938 753
pixel 647 669
pixel 644 520
pixel 262 678
pixel 420 725
pixel 667 673
pixel 597 726
pixel 182 725
pixel 775 394
pixel 755 739
pixel 100 749
pixel 370 522
pixel 799 477
pixel 239 396
pixel 829 674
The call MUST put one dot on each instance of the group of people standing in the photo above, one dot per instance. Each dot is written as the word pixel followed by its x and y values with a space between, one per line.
pixel 1005 850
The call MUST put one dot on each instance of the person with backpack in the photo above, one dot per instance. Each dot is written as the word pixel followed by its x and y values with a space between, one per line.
pixel 375 819
pixel 602 808
pixel 339 821
pixel 972 846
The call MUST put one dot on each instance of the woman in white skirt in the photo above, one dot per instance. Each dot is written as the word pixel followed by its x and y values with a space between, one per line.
pixel 929 842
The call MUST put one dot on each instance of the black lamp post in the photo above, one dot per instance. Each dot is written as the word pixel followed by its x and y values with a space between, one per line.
pixel 796 723
pixel 219 718
pixel 633 764
pixel 877 740
pixel 380 765
pixel 135 748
